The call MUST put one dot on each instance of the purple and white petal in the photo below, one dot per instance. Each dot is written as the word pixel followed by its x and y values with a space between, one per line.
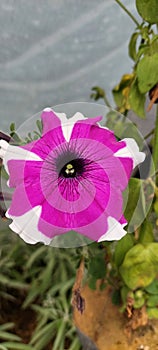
pixel 115 231
pixel 72 178
pixel 9 152
pixel 131 151
pixel 26 226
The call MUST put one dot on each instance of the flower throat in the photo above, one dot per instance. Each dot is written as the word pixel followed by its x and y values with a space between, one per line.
pixel 73 168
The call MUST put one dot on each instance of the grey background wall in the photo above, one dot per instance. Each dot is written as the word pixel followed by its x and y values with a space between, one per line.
pixel 54 51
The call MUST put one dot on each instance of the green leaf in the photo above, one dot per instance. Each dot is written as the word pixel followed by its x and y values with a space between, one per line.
pixel 139 299
pixel 137 100
pixel 124 293
pixel 92 283
pixel 9 336
pixel 16 346
pixel 148 10
pixel 135 207
pixel 144 49
pixel 116 299
pixel 60 335
pixel 98 93
pixel 39 125
pixel 35 256
pixel 152 301
pixel 132 46
pixel 118 97
pixel 122 247
pixel 6 326
pixel 97 267
pixel 152 312
pixel 44 335
pixel 3 347
pixel 12 127
pixel 146 233
pixel 152 288
pixel 147 72
pixel 156 206
pixel 139 267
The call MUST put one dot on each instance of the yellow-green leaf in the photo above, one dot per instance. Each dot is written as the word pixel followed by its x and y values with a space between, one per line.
pixel 147 72
pixel 148 10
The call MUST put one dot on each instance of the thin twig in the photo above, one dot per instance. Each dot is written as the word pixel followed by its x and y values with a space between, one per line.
pixel 128 12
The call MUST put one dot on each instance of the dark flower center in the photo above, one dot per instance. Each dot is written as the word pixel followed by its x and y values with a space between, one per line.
pixel 73 168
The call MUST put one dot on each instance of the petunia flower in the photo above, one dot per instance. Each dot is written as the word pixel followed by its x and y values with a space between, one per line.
pixel 72 178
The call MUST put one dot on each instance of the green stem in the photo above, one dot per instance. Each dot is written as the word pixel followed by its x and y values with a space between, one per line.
pixel 149 134
pixel 128 12
pixel 107 102
pixel 155 145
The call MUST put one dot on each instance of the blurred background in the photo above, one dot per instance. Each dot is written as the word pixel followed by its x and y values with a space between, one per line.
pixel 55 51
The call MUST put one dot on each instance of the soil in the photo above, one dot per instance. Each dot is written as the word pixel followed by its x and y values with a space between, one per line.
pixel 110 329
pixel 24 319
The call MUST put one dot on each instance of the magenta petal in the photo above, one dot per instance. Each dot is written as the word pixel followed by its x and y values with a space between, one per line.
pixel 123 221
pixel 20 202
pixel 50 120
pixel 46 143
pixel 91 131
pixel 94 230
pixel 32 182
pixel 16 171
pixel 98 227
pixel 50 230
pixel 127 164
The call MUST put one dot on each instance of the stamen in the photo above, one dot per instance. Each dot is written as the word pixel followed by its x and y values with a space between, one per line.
pixel 73 168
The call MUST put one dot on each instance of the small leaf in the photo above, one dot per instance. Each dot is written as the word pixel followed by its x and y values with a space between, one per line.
pixel 92 283
pixel 156 206
pixel 118 97
pixel 98 93
pixel 147 72
pixel 152 301
pixel 120 91
pixel 16 346
pixel 146 233
pixel 139 299
pixel 12 127
pixel 97 267
pixel 137 100
pixel 139 267
pixel 135 210
pixel 152 312
pixel 122 247
pixel 132 46
pixel 39 125
pixel 9 336
pixel 152 288
pixel 124 293
pixel 116 300
pixel 148 10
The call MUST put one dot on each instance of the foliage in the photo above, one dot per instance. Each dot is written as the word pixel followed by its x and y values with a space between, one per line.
pixel 143 50
pixel 43 276
pixel 133 260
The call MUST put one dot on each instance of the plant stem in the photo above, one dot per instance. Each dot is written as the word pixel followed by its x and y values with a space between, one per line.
pixel 107 101
pixel 155 145
pixel 149 134
pixel 128 12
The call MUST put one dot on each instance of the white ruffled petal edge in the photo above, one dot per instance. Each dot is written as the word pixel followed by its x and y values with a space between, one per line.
pixel 68 124
pixel 115 231
pixel 9 152
pixel 131 151
pixel 26 226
